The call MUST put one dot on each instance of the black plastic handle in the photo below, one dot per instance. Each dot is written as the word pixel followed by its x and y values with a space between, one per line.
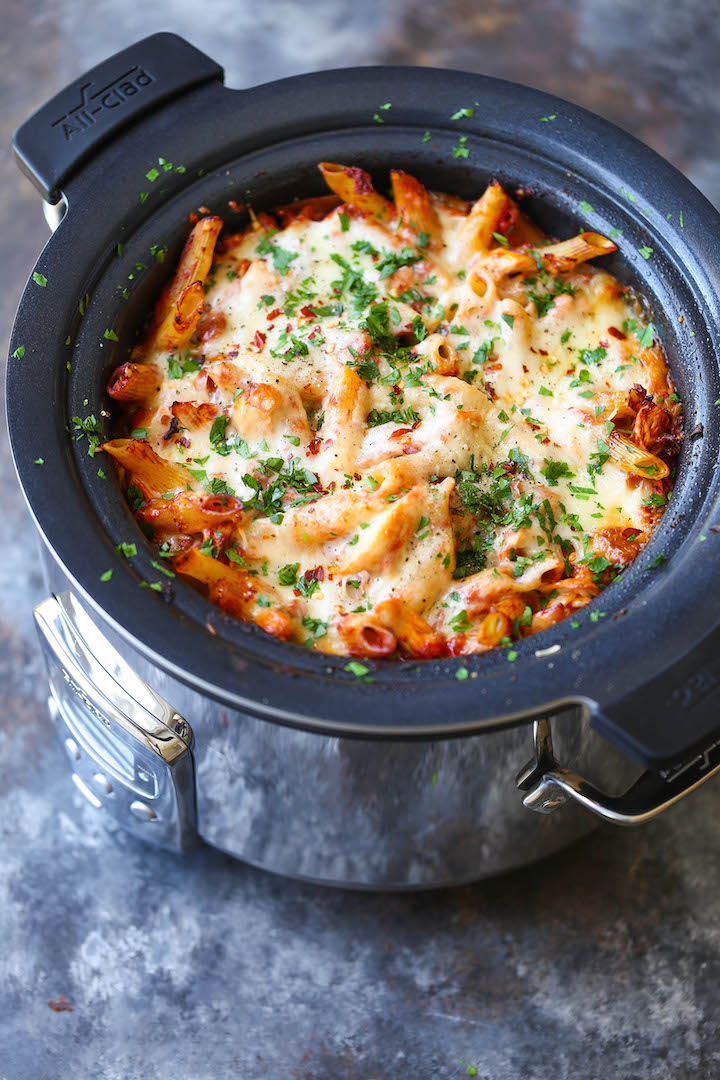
pixel 69 128
pixel 674 715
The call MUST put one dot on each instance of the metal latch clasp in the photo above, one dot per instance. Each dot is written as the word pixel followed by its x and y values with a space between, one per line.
pixel 129 750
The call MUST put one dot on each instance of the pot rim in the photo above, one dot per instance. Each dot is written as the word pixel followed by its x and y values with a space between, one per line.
pixel 592 665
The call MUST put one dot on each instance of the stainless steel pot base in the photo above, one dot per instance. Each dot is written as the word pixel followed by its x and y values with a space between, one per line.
pixel 130 752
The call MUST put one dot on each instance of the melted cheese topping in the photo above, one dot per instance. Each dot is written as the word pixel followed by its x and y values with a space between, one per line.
pixel 465 469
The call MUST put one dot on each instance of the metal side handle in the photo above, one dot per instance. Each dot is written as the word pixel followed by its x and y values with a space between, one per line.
pixel 548 785
pixel 129 750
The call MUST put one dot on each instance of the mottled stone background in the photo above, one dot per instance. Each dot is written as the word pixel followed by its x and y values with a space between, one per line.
pixel 602 962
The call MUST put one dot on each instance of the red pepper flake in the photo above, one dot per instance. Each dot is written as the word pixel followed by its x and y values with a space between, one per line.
pixel 308 312
pixel 193 217
pixel 259 339
pixel 411 450
pixel 273 314
pixel 236 206
pixel 314 446
pixel 61 1004
pixel 614 332
pixel 318 574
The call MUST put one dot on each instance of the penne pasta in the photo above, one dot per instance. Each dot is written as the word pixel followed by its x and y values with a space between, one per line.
pixel 417 213
pixel 193 417
pixel 635 460
pixel 354 187
pixel 191 512
pixel 365 635
pixel 134 383
pixel 145 468
pixel 476 232
pixel 412 632
pixel 181 305
pixel 441 354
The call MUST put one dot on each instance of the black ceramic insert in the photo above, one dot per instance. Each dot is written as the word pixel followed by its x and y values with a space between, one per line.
pixel 645 659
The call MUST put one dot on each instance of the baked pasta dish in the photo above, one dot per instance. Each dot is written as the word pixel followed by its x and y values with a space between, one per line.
pixel 415 426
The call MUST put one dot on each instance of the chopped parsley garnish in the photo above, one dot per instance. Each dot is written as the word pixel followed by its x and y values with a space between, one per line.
pixel 646 339
pixel 39 279
pixel 655 499
pixel 317 628
pixel 461 150
pixel 163 569
pixel 645 251
pixel 460 622
pixel 280 257
pixel 134 498
pixel 593 356
pixel 357 669
pixel 218 429
pixel 88 429
pixel 377 417
pixel 555 470
pixel 179 366
pixel 393 260
pixel 287 575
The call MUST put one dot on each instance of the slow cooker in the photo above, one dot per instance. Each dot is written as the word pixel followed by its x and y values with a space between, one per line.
pixel 182 723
